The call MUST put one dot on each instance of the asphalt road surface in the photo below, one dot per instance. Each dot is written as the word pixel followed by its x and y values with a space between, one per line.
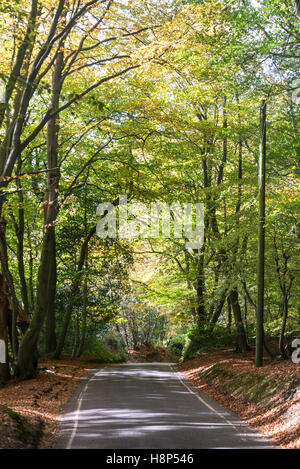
pixel 149 406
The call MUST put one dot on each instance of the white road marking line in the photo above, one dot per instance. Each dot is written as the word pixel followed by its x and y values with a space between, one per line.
pixel 76 418
pixel 206 404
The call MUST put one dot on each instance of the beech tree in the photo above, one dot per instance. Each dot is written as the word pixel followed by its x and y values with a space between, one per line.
pixel 63 38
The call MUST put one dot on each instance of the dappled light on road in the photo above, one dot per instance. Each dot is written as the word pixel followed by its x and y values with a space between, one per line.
pixel 149 406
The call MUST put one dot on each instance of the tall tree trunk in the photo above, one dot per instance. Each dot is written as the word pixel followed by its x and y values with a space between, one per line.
pixel 20 255
pixel 46 285
pixel 51 207
pixel 261 240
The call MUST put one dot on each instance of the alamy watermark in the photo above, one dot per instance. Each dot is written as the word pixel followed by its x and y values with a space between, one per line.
pixel 159 220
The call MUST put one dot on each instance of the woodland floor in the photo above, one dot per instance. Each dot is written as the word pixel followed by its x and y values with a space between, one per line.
pixel 40 400
pixel 273 409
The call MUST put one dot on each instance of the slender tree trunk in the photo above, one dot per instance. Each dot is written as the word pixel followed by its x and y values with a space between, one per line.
pixel 11 295
pixel 200 289
pixel 76 335
pixel 242 344
pixel 286 294
pixel 190 299
pixel 218 307
pixel 240 177
pixel 19 229
pixel 30 279
pixel 84 311
pixel 246 316
pixel 74 289
pixel 283 326
pixel 229 315
pixel 261 240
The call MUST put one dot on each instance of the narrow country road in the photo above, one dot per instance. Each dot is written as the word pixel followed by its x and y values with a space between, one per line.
pixel 147 406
